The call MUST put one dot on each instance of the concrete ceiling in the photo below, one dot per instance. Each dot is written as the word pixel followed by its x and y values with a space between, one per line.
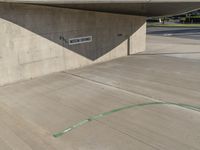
pixel 132 7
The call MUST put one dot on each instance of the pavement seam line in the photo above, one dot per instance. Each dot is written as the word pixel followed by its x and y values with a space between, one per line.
pixel 115 87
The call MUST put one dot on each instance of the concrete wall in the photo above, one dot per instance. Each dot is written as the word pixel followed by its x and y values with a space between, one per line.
pixel 34 39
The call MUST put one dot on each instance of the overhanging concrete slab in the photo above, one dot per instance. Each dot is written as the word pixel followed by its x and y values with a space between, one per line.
pixel 133 7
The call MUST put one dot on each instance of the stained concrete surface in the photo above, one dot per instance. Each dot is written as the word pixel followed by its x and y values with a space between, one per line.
pixel 31 111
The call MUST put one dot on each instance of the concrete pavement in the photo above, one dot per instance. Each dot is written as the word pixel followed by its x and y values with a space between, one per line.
pixel 180 32
pixel 31 111
pixel 174 47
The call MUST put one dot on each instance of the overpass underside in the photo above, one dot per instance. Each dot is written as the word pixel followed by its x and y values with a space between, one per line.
pixel 140 9
pixel 42 37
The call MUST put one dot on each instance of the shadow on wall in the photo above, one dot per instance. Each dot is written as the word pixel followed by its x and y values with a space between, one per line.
pixel 59 25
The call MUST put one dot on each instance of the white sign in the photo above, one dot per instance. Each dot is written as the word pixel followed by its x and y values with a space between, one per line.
pixel 80 40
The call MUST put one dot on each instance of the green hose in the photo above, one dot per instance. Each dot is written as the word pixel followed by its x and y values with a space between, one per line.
pixel 101 115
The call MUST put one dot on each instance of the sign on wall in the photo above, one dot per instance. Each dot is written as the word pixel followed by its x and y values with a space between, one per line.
pixel 80 40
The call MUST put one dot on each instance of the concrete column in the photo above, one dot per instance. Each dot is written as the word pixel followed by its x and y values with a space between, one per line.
pixel 34 40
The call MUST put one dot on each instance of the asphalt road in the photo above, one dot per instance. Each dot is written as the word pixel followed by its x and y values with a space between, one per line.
pixel 190 33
